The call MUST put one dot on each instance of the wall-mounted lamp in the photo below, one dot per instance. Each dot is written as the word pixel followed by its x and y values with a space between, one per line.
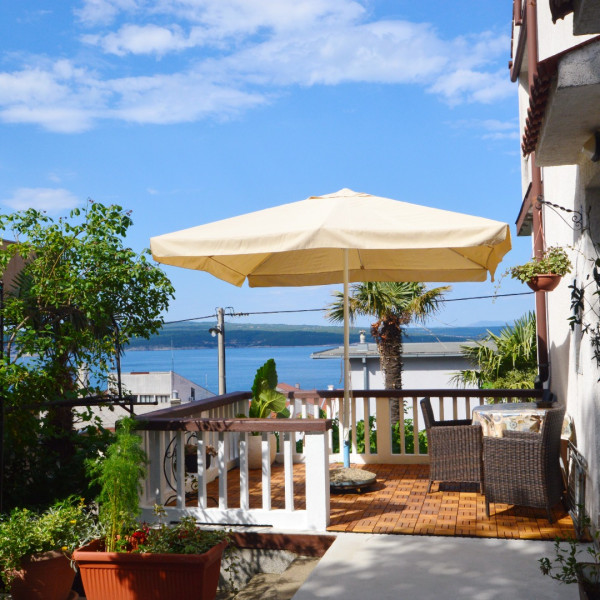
pixel 592 147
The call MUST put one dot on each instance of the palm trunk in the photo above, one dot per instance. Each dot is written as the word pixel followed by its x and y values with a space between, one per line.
pixel 388 334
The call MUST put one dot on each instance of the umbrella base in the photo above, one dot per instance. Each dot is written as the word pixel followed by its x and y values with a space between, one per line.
pixel 345 479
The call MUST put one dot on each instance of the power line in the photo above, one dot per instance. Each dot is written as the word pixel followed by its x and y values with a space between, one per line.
pixel 300 310
pixel 490 296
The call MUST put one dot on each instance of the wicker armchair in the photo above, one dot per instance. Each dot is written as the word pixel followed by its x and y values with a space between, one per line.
pixel 455 449
pixel 522 468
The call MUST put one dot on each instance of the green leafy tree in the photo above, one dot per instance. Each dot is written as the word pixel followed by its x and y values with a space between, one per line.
pixel 504 361
pixel 82 294
pixel 394 305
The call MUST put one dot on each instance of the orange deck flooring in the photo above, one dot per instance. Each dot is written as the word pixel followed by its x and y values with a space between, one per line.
pixel 398 503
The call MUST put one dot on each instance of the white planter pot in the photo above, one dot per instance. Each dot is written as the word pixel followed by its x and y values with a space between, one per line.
pixel 255 450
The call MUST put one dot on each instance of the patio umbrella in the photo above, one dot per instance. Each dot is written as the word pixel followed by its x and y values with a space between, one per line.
pixel 342 237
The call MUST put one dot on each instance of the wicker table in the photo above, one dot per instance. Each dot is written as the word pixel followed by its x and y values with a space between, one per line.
pixel 514 416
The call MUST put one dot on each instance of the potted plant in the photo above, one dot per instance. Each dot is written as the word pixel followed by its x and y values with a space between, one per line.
pixel 544 274
pixel 36 547
pixel 134 561
pixel 266 401
pixel 567 568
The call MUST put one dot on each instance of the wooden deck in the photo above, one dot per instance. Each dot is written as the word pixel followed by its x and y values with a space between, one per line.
pixel 398 503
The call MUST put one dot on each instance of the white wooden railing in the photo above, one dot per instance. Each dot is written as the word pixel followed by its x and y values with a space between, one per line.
pixel 397 445
pixel 213 425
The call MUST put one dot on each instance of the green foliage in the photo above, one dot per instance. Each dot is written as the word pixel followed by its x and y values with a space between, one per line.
pixel 81 295
pixel 265 398
pixel 64 526
pixel 507 360
pixel 361 439
pixel 396 439
pixel 184 537
pixel 566 567
pixel 119 474
pixel 555 260
pixel 409 438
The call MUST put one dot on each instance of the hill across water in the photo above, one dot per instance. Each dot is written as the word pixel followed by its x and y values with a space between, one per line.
pixel 244 335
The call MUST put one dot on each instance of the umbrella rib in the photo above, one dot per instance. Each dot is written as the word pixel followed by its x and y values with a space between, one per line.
pixel 222 264
pixel 471 260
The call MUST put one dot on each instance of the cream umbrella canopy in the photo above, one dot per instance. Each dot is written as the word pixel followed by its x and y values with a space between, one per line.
pixel 342 237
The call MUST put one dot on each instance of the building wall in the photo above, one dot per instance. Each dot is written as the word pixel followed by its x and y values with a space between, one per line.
pixel 574 373
pixel 419 373
pixel 154 390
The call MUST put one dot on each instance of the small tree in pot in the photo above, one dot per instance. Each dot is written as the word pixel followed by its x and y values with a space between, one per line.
pixel 136 560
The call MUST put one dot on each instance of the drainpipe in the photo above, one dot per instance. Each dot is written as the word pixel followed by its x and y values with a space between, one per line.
pixel 537 190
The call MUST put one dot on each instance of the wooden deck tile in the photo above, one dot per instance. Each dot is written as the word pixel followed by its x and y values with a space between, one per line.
pixel 398 504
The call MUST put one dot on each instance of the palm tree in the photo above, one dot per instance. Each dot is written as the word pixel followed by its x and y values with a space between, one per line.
pixel 508 360
pixel 394 305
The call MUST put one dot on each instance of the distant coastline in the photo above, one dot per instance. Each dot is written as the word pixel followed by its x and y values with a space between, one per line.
pixel 193 336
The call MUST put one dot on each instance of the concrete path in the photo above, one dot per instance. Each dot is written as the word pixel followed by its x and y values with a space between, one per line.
pixel 394 567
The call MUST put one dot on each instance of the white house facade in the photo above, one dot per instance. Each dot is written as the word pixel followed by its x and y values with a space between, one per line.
pixel 149 391
pixel 556 62
pixel 427 365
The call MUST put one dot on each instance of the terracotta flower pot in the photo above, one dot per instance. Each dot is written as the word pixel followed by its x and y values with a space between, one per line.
pixel 46 576
pixel 123 576
pixel 544 283
pixel 588 579
pixel 255 450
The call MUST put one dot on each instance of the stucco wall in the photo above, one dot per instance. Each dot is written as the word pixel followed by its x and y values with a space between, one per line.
pixel 574 370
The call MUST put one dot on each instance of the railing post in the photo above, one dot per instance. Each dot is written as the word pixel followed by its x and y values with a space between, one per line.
pixel 384 434
pixel 317 480
pixel 180 460
pixel 266 471
pixel 202 470
pixel 244 481
pixel 288 468
pixel 156 449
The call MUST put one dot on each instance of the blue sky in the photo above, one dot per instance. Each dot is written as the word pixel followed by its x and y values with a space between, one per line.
pixel 190 111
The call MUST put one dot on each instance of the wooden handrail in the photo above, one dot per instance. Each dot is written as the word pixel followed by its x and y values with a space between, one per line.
pixel 197 406
pixel 238 425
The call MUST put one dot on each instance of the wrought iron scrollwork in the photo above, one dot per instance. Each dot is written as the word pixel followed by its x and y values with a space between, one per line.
pixel 576 218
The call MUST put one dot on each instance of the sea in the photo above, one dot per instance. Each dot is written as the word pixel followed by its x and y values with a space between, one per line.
pixel 294 366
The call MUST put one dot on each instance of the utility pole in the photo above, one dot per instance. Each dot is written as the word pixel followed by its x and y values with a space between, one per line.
pixel 219 332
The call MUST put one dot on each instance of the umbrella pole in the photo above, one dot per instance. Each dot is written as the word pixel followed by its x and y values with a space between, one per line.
pixel 346 365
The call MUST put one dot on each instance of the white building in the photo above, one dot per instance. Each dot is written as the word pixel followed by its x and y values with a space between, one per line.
pixel 150 391
pixel 556 62
pixel 426 365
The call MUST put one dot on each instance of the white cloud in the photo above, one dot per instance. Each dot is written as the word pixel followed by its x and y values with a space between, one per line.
pixel 490 129
pixel 236 54
pixel 466 85
pixel 148 39
pixel 47 199
pixel 225 18
pixel 95 12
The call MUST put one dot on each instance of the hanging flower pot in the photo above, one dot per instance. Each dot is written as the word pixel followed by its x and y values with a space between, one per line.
pixel 545 282
pixel 543 273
